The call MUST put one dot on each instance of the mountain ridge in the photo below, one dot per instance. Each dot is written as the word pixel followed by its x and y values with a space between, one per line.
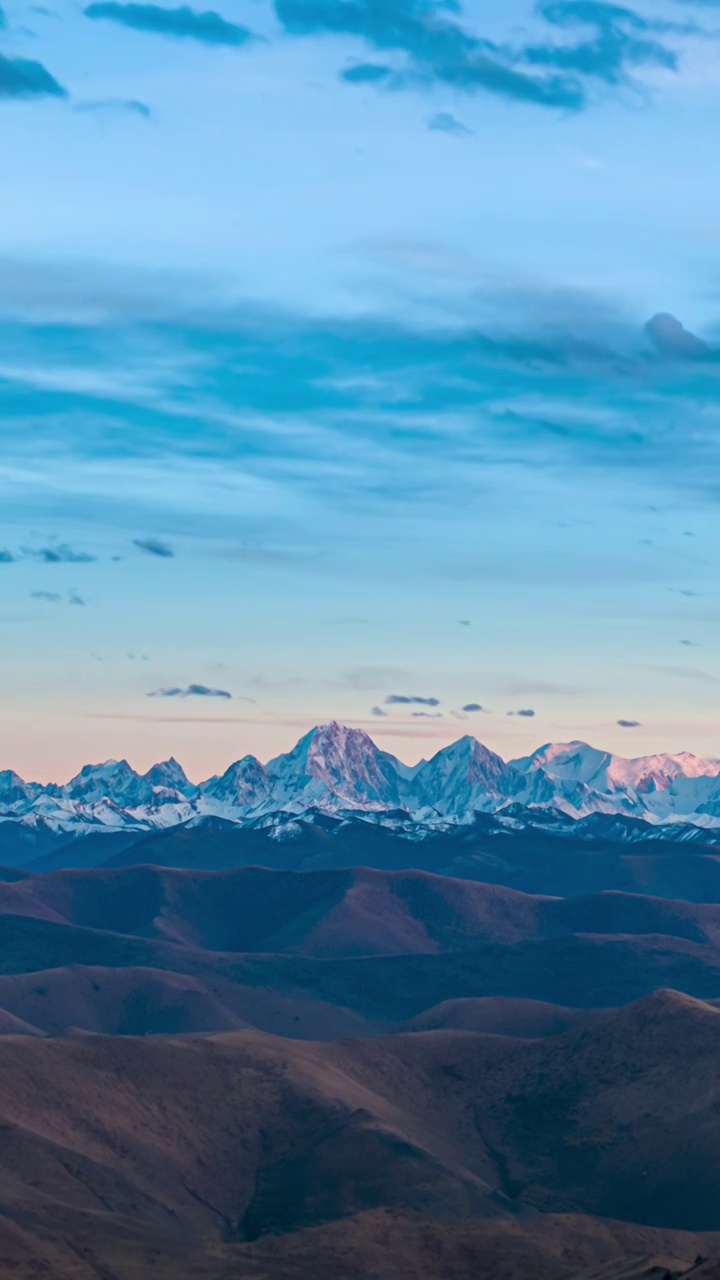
pixel 336 769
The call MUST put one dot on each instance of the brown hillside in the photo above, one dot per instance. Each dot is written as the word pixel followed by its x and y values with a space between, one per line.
pixel 230 1151
pixel 494 1015
pixel 325 913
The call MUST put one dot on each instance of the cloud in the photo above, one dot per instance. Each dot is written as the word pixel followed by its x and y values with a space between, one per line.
pixel 682 673
pixel 192 691
pixel 378 711
pixel 438 49
pixel 445 122
pixel 687 592
pixel 628 724
pixel 691 644
pixel 366 73
pixel 465 622
pixel 527 712
pixel 182 23
pixel 20 78
pixel 672 340
pixel 480 383
pixel 402 700
pixel 473 706
pixel 154 547
pixel 114 106
pixel 427 715
pixel 620 39
pixel 55 597
pixel 58 553
pixel 6 557
pixel 368 678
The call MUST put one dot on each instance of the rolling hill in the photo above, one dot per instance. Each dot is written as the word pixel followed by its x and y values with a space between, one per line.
pixel 137 1155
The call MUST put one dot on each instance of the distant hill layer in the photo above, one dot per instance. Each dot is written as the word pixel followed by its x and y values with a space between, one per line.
pixel 316 955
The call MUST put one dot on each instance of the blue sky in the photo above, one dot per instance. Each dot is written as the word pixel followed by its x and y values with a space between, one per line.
pixel 324 377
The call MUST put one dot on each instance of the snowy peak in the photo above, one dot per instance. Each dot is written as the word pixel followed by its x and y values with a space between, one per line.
pixel 115 779
pixel 14 791
pixel 116 782
pixel 245 785
pixel 462 778
pixel 570 761
pixel 169 776
pixel 578 763
pixel 342 766
pixel 648 773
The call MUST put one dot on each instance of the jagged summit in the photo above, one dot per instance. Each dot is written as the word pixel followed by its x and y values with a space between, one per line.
pixel 339 766
pixel 170 775
pixel 335 768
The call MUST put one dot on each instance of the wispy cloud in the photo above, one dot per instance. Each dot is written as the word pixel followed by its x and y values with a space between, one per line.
pixel 114 107
pixel 369 678
pixel 182 23
pixel 682 673
pixel 446 122
pixel 613 43
pixel 402 699
pixel 57 597
pixel 621 40
pixel 530 381
pixel 438 47
pixel 58 553
pixel 628 724
pixel 154 547
pixel 526 712
pixel 192 691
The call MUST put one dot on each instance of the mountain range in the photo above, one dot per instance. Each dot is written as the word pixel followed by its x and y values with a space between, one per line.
pixel 338 770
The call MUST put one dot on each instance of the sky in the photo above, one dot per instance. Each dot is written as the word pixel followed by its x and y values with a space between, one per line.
pixel 359 360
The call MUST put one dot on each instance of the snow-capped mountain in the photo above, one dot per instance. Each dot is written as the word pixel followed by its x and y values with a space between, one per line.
pixel 245 786
pixel 463 778
pixel 336 770
pixel 658 786
pixel 334 767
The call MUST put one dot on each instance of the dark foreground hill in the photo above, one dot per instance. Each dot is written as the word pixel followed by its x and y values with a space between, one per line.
pixel 247 1155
